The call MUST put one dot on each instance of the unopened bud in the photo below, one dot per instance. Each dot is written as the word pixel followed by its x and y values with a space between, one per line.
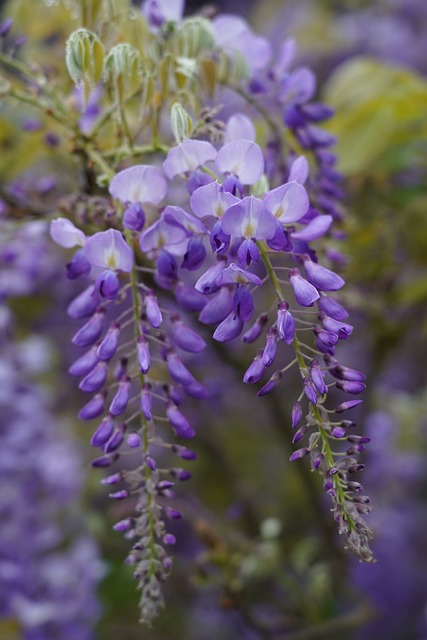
pixel 84 57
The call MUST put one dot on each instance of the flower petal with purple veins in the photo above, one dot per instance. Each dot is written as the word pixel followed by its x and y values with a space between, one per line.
pixel 211 200
pixel 239 127
pixel 236 275
pixel 241 158
pixel 314 230
pixel 141 183
pixel 288 203
pixel 188 156
pixel 249 218
pixel 108 249
pixel 64 233
pixel 162 235
pixel 299 170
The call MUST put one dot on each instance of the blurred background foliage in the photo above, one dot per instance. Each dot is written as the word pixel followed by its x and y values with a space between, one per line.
pixel 267 524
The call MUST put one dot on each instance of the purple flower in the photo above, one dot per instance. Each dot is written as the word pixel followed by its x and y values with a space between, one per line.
pixel 211 200
pixel 322 278
pixel 108 346
pixel 179 422
pixel 234 35
pixel 256 370
pixel 236 275
pixel 108 284
pixel 305 294
pixel 163 235
pixel 243 159
pixel 64 233
pixel 108 250
pixel 218 308
pixel 159 11
pixel 297 87
pixel 141 183
pixel 288 203
pixel 249 218
pixel 187 157
pixel 229 329
pixel 239 127
pixel 134 217
pixel 186 338
pixel 299 170
pixel 314 230
pixel 79 267
pixel 120 401
pixel 90 332
pixel 95 379
pixel 285 323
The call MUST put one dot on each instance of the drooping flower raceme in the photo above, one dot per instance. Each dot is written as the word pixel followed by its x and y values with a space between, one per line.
pixel 219 232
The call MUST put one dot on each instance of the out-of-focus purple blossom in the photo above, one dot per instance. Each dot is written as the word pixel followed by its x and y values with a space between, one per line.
pixel 187 157
pixel 234 35
pixel 141 184
pixel 157 12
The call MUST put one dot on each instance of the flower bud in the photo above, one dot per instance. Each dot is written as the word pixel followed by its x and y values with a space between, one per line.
pixel 194 36
pixel 123 69
pixel 180 122
pixel 84 58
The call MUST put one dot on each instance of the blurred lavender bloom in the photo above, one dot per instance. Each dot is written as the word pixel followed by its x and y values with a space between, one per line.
pixel 141 184
pixel 242 159
pixel 187 157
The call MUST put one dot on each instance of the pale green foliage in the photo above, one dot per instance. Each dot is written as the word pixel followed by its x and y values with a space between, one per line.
pixel 378 107
pixel 181 122
pixel 194 36
pixel 123 70
pixel 84 57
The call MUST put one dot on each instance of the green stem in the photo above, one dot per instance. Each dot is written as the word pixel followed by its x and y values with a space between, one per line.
pixel 144 425
pixel 271 273
pixel 41 106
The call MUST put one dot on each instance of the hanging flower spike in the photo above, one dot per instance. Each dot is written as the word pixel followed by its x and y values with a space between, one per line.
pixel 141 184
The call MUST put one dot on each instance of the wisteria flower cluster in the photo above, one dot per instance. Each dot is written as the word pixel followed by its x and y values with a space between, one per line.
pixel 223 235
